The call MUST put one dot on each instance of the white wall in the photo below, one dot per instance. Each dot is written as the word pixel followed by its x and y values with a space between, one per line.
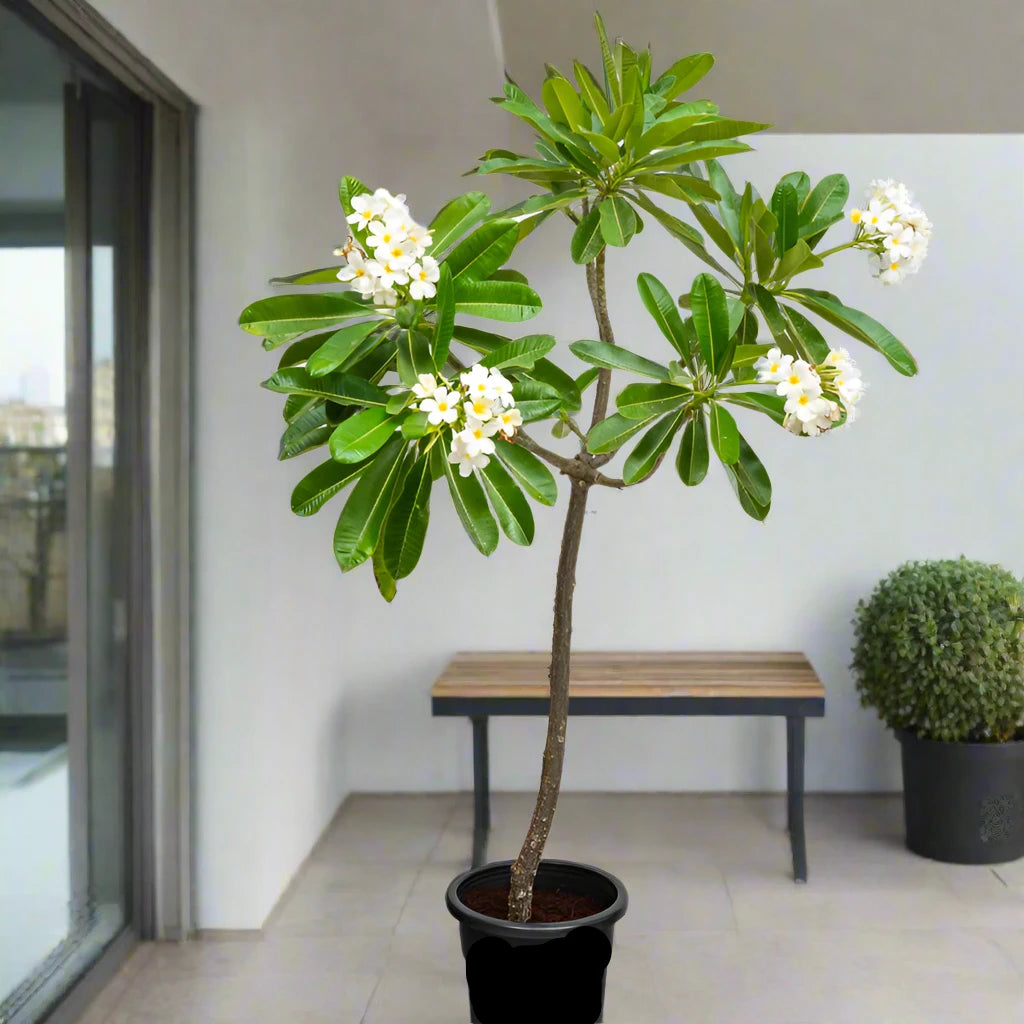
pixel 308 684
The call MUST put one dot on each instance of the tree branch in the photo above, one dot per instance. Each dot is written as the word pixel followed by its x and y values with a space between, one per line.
pixel 599 300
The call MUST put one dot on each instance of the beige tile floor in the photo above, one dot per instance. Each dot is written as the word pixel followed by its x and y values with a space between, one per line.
pixel 716 933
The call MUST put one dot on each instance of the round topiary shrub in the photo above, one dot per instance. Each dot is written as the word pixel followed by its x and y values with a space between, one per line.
pixel 940 651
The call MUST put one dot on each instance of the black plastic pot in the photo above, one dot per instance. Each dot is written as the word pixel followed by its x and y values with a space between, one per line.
pixel 963 802
pixel 541 973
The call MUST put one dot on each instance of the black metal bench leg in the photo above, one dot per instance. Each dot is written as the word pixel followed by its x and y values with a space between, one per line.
pixel 795 795
pixel 481 791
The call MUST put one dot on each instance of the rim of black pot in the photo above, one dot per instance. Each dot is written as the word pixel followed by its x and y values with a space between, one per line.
pixel 902 734
pixel 609 915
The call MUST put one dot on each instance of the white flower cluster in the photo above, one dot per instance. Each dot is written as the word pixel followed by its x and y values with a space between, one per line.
pixel 894 228
pixel 811 391
pixel 476 407
pixel 384 227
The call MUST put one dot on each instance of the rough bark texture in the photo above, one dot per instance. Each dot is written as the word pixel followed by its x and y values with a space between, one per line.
pixel 524 870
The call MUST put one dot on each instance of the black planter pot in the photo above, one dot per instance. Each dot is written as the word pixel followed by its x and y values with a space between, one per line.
pixel 963 802
pixel 541 973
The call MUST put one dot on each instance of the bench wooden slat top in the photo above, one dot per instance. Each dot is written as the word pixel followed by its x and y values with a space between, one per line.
pixel 639 674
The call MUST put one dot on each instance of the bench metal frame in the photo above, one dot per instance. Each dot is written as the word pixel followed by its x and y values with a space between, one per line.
pixel 796 710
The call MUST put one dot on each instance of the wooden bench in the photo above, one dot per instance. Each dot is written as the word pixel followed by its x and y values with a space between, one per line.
pixel 480 685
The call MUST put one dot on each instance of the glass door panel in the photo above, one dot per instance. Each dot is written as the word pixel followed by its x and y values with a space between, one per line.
pixel 70 217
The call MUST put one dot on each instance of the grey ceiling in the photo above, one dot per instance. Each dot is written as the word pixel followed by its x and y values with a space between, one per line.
pixel 806 65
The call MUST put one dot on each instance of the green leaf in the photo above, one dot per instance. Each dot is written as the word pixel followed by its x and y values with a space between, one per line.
pixel 677 186
pixel 361 519
pixel 407 522
pixel 348 189
pixel 710 314
pixel 535 400
pixel 747 355
pixel 361 435
pixel 294 314
pixel 593 95
pixel 718 232
pixel 613 431
pixel 454 219
pixel 532 475
pixel 296 405
pixel 309 430
pixel 586 378
pixel 772 406
pixel 749 504
pixel 659 304
pixel 587 240
pixel 690 152
pixel 386 583
pixel 639 401
pixel 644 457
pixel 764 254
pixel 800 182
pixel 773 317
pixel 752 475
pixel 614 357
pixel 338 347
pixel 693 458
pixel 415 425
pixel 809 339
pixel 606 147
pixel 784 206
pixel 323 275
pixel 568 102
pixel 612 86
pixel 682 232
pixel 717 129
pixel 858 325
pixel 318 486
pixel 617 219
pixel 471 506
pixel 478 255
pixel 524 352
pixel 477 340
pixel 508 301
pixel 724 434
pixel 798 258
pixel 414 356
pixel 618 123
pixel 509 503
pixel 445 325
pixel 687 72
pixel 300 351
pixel 729 205
pixel 546 372
pixel 823 204
pixel 343 388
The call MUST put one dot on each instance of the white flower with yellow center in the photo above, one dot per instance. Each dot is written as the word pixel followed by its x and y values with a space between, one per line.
pixel 384 234
pixel 389 272
pixel 801 379
pixel 420 237
pixel 392 204
pixel 890 271
pixel 479 383
pixel 403 252
pixel 385 297
pixel 365 208
pixel 899 243
pixel 441 407
pixel 478 435
pixel 502 387
pixel 357 272
pixel 425 385
pixel 773 366
pixel 479 408
pixel 423 277
pixel 509 420
pixel 876 218
pixel 810 416
pixel 466 459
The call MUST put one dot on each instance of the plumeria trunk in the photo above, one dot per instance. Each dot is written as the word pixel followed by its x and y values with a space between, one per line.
pixel 524 871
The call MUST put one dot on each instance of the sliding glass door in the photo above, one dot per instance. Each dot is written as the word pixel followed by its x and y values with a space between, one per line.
pixel 72 292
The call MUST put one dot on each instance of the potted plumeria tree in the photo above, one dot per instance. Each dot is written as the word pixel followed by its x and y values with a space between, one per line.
pixel 412 402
